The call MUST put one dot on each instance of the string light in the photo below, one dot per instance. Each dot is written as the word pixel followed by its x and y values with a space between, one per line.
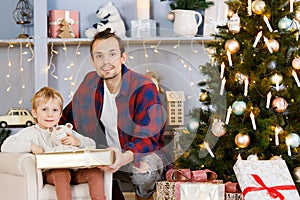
pixel 192 47
pixel 156 47
pixel 28 45
pixel 21 67
pixel 7 77
pixel 177 45
pixel 51 64
pixel 145 51
pixel 71 66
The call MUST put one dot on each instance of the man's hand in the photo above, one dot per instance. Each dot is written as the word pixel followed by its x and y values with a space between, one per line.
pixel 36 149
pixel 121 159
pixel 70 139
pixel 144 167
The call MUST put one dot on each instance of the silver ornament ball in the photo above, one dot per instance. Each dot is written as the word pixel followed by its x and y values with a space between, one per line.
pixel 296 63
pixel 279 104
pixel 239 107
pixel 293 140
pixel 218 128
pixel 296 174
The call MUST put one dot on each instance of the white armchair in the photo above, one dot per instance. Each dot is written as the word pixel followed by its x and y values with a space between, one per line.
pixel 21 180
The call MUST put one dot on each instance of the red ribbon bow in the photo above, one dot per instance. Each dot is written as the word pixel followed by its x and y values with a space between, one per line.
pixel 184 175
pixel 273 191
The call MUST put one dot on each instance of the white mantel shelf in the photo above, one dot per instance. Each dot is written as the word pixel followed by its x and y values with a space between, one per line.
pixel 129 40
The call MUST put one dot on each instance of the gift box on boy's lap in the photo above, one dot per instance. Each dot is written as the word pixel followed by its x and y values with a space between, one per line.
pixel 56 18
pixel 166 190
pixel 265 179
pixel 75 159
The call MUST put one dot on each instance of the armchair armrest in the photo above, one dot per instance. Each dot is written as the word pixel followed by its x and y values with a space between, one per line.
pixel 18 176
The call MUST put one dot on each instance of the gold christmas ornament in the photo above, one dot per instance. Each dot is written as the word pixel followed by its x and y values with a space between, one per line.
pixel 279 104
pixel 242 140
pixel 274 45
pixel 204 97
pixel 232 46
pixel 296 174
pixel 296 63
pixel 258 7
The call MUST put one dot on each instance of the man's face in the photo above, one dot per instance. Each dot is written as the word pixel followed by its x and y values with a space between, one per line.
pixel 107 58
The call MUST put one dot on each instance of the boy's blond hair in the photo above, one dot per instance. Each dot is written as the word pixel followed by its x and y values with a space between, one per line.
pixel 44 94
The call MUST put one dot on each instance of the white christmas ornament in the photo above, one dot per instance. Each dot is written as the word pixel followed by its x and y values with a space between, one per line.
pixel 218 128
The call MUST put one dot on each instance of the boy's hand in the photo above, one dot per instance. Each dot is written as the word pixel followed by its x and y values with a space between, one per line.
pixel 70 139
pixel 36 149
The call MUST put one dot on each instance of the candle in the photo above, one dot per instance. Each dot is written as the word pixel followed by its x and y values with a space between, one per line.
pixel 292 6
pixel 266 40
pixel 143 9
pixel 246 87
pixel 208 149
pixel 287 142
pixel 239 157
pixel 276 79
pixel 278 129
pixel 222 86
pixel 249 8
pixel 269 96
pixel 229 58
pixel 268 23
pixel 258 36
pixel 222 70
pixel 229 110
pixel 296 78
pixel 252 116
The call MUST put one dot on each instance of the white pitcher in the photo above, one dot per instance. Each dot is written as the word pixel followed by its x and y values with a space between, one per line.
pixel 185 23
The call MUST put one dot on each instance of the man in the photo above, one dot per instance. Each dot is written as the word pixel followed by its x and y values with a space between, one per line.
pixel 126 105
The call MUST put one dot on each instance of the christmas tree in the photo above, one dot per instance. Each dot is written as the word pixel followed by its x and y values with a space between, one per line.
pixel 256 54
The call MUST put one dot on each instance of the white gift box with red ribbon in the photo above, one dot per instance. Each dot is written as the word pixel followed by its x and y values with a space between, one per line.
pixel 265 179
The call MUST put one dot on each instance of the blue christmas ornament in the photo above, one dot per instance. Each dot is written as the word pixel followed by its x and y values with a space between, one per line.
pixel 285 24
pixel 238 107
pixel 293 140
pixel 192 125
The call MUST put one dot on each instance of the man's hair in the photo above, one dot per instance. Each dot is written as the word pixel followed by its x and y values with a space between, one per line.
pixel 44 94
pixel 105 35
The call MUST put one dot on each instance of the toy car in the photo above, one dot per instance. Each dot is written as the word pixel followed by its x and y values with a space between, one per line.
pixel 16 118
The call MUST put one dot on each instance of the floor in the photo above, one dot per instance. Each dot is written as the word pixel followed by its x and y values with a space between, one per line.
pixel 131 195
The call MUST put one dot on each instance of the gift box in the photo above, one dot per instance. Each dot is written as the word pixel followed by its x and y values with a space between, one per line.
pixel 233 196
pixel 56 18
pixel 167 190
pixel 145 28
pixel 75 159
pixel 265 179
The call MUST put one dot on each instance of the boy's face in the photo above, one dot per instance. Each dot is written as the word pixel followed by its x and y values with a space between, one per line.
pixel 47 113
pixel 107 58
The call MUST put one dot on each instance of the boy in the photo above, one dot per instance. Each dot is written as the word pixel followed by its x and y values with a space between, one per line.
pixel 47 106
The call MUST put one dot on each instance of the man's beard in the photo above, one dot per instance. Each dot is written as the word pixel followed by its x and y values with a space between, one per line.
pixel 108 78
